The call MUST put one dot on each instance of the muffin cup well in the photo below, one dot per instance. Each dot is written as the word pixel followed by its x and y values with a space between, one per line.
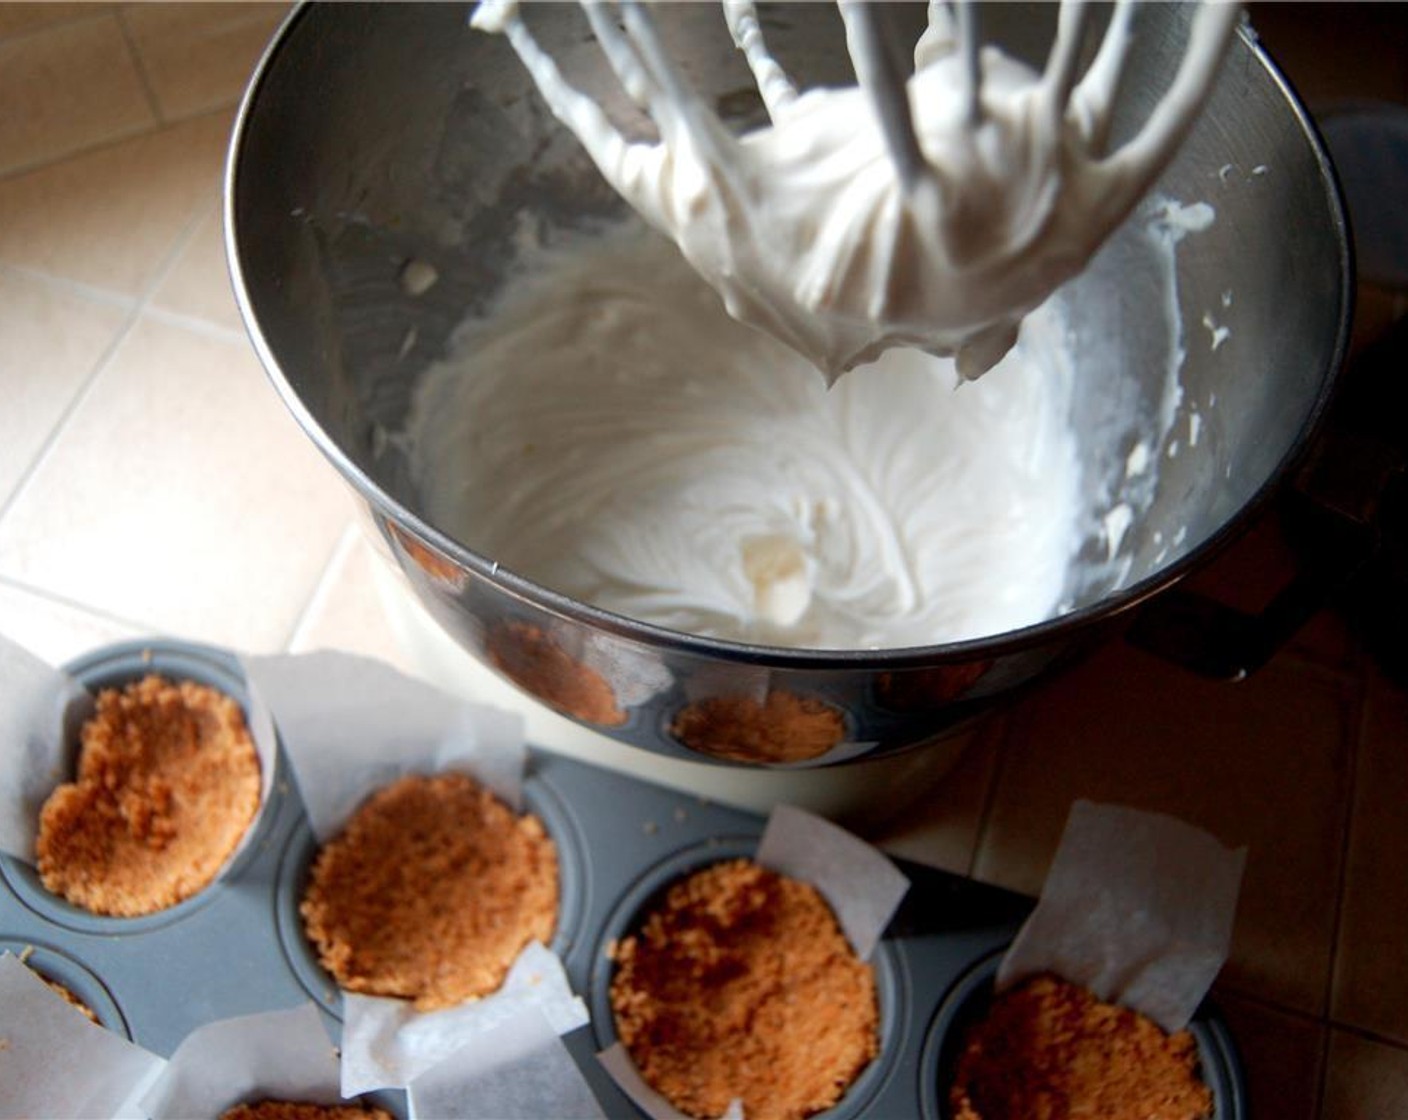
pixel 540 799
pixel 64 968
pixel 968 1000
pixel 116 667
pixel 648 892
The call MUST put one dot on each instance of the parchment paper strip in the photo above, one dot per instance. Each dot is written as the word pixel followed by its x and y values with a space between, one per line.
pixel 531 1076
pixel 274 1055
pixel 861 884
pixel 55 1062
pixel 387 1042
pixel 38 704
pixel 351 725
pixel 1138 907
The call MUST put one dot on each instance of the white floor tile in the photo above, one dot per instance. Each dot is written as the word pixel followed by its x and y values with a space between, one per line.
pixel 65 88
pixel 346 611
pixel 112 218
pixel 182 495
pixel 56 632
pixel 50 343
pixel 198 282
pixel 200 55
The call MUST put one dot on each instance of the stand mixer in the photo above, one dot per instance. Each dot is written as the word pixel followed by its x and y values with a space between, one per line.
pixel 374 137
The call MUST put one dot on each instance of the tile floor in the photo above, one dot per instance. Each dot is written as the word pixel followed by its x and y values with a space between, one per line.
pixel 149 479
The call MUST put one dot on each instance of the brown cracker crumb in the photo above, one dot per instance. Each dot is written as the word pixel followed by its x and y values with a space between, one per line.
pixel 742 986
pixel 167 785
pixel 430 892
pixel 1049 1050
pixel 303 1110
pixel 785 728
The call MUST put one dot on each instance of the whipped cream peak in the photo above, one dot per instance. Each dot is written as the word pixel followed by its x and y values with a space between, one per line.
pixel 932 211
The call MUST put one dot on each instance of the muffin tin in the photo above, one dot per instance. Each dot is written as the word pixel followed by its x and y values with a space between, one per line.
pixel 238 946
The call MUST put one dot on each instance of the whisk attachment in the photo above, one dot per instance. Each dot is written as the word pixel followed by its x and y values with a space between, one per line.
pixel 931 208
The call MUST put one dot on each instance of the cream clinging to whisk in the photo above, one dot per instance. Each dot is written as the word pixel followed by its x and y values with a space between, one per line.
pixel 932 210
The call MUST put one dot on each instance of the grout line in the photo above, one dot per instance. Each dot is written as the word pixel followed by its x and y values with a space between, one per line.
pixel 88 609
pixel 1001 748
pixel 1358 721
pixel 93 16
pixel 75 401
pixel 53 159
pixel 114 141
pixel 62 284
pixel 140 65
pixel 104 360
pixel 322 589
pixel 206 328
pixel 1357 725
pixel 1366 1035
pixel 1263 1003
pixel 168 265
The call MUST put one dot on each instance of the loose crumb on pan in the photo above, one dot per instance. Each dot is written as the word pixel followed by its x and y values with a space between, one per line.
pixel 430 892
pixel 1049 1050
pixel 167 785
pixel 785 728
pixel 741 986
pixel 303 1110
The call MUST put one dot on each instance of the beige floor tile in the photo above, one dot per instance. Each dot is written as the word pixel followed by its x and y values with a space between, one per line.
pixel 198 283
pixel 180 494
pixel 50 341
pixel 942 829
pixel 1282 1058
pixel 346 612
pixel 65 88
pixel 1262 764
pixel 1365 1080
pixel 53 631
pixel 21 17
pixel 113 217
pixel 199 56
pixel 1371 965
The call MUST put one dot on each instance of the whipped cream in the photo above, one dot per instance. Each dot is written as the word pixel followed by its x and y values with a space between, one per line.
pixel 933 212
pixel 606 430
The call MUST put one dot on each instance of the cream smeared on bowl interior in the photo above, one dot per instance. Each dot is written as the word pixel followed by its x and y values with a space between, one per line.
pixel 606 430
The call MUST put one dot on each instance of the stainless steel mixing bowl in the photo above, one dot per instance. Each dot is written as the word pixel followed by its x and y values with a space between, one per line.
pixel 375 135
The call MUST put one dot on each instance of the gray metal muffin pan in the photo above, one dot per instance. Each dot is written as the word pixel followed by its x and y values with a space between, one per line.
pixel 238 947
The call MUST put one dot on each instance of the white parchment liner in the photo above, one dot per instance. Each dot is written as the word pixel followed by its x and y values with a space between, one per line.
pixel 858 881
pixel 272 1055
pixel 1137 907
pixel 527 1075
pixel 41 710
pixel 351 725
pixel 54 1061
